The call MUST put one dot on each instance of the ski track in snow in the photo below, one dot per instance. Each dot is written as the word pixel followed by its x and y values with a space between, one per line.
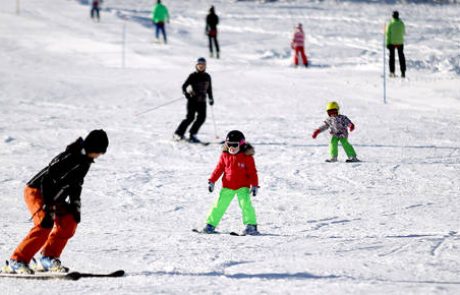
pixel 386 225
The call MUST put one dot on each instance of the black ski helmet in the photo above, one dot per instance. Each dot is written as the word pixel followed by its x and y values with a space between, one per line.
pixel 96 142
pixel 201 60
pixel 235 136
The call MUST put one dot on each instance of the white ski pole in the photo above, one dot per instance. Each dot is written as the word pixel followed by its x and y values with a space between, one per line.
pixel 384 68
pixel 159 106
pixel 214 122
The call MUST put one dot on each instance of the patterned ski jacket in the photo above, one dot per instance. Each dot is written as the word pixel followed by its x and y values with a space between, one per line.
pixel 337 125
pixel 298 40
pixel 238 170
pixel 60 183
pixel 201 86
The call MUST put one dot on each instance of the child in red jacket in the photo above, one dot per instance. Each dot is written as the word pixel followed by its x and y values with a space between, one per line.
pixel 237 166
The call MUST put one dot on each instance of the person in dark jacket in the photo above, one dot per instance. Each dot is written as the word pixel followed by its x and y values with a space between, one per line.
pixel 212 20
pixel 195 88
pixel 95 9
pixel 53 199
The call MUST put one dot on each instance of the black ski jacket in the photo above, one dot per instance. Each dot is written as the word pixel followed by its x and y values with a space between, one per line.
pixel 60 183
pixel 212 20
pixel 201 85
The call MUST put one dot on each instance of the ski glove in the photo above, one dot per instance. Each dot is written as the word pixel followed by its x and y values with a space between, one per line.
pixel 254 190
pixel 315 133
pixel 352 127
pixel 211 101
pixel 48 219
pixel 211 186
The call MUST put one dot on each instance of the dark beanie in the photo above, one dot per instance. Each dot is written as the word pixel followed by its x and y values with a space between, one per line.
pixel 96 142
pixel 395 14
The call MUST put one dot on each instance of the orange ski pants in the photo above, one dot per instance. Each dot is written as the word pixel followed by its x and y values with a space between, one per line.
pixel 51 240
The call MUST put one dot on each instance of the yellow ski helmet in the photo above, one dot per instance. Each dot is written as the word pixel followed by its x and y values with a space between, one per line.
pixel 332 106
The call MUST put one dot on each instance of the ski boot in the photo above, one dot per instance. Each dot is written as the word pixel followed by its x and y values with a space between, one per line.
pixel 332 160
pixel 352 160
pixel 251 229
pixel 392 75
pixel 209 229
pixel 177 137
pixel 50 264
pixel 194 139
pixel 17 267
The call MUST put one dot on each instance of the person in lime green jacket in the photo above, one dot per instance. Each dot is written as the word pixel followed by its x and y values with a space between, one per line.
pixel 395 31
pixel 160 15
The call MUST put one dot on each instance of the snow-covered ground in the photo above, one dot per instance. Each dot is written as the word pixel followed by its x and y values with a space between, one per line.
pixel 388 225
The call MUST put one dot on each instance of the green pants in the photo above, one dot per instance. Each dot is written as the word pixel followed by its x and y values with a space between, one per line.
pixel 333 147
pixel 225 198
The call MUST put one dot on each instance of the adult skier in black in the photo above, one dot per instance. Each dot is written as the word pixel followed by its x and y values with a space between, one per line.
pixel 212 20
pixel 195 88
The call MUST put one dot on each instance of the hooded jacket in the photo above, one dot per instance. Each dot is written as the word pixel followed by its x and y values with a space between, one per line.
pixel 238 170
pixel 60 183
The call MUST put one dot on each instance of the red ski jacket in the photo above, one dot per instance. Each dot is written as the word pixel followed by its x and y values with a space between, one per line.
pixel 238 170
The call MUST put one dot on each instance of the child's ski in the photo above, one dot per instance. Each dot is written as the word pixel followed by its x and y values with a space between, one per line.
pixel 73 276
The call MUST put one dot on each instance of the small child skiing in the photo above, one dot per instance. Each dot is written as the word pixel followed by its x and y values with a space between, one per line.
pixel 238 168
pixel 338 125
pixel 53 199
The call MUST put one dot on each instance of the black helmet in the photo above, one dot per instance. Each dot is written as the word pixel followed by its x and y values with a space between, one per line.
pixel 96 142
pixel 235 136
pixel 201 60
pixel 395 14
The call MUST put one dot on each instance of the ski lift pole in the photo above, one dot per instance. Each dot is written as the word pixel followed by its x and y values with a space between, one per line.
pixel 214 123
pixel 384 68
pixel 123 46
pixel 18 7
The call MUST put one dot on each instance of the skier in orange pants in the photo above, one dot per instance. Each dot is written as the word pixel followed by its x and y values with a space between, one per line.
pixel 53 199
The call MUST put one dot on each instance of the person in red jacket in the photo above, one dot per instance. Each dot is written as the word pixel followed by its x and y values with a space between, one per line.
pixel 298 45
pixel 238 168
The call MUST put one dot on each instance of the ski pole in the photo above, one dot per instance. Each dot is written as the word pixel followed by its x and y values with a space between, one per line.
pixel 159 106
pixel 384 68
pixel 214 123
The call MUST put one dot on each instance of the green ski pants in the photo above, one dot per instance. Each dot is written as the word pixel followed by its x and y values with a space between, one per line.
pixel 225 198
pixel 334 150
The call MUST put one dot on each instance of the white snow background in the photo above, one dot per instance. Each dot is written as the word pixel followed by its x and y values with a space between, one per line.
pixel 388 225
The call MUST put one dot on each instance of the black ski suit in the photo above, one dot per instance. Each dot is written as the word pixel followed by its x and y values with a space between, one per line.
pixel 200 83
pixel 212 20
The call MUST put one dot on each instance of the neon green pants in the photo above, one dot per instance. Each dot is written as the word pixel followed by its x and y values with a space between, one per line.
pixel 225 198
pixel 334 150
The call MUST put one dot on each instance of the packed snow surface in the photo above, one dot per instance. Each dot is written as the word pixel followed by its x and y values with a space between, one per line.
pixel 387 225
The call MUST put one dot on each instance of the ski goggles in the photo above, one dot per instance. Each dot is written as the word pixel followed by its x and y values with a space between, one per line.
pixel 233 144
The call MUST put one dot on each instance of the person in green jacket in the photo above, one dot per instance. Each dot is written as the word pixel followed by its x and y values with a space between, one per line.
pixel 395 31
pixel 160 15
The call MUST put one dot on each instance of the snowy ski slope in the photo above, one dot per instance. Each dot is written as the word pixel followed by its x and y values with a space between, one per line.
pixel 388 225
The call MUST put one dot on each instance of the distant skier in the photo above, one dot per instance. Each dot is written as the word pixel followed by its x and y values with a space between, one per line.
pixel 212 20
pixel 338 125
pixel 53 199
pixel 239 177
pixel 160 16
pixel 298 45
pixel 95 9
pixel 395 32
pixel 195 88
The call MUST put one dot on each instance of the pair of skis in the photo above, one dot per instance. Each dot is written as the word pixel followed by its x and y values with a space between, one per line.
pixel 233 233
pixel 73 276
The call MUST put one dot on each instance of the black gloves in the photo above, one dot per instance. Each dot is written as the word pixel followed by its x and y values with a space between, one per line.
pixel 48 219
pixel 76 216
pixel 211 101
pixel 187 95
pixel 253 190
pixel 210 187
